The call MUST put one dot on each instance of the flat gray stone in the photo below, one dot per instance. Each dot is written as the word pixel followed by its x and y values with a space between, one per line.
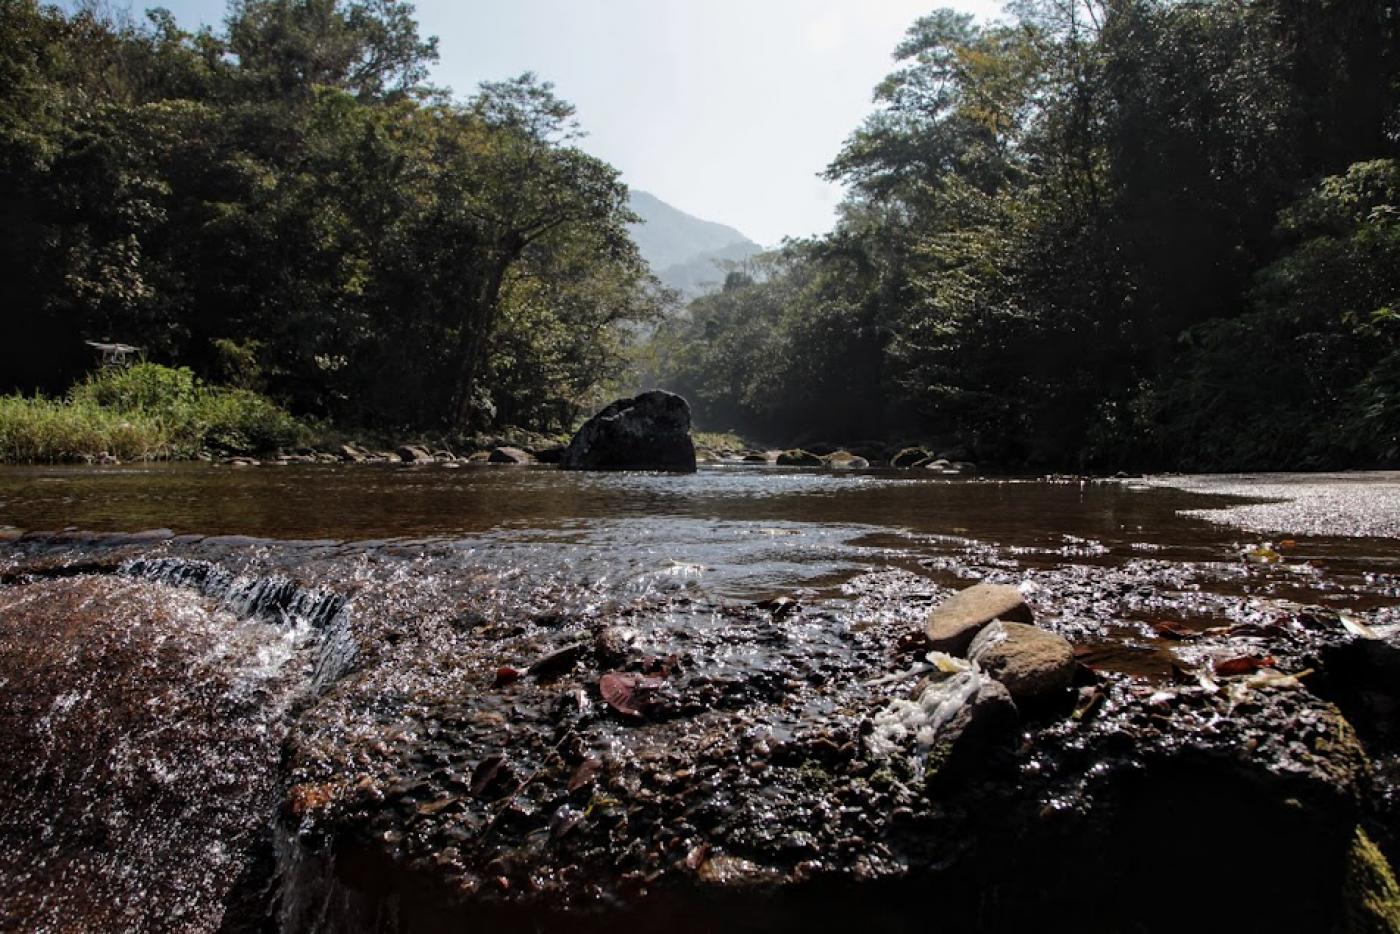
pixel 1034 664
pixel 954 623
pixel 510 455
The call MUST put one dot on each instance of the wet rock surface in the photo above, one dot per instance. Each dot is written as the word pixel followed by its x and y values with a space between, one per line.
pixel 568 734
pixel 510 455
pixel 1034 664
pixel 954 623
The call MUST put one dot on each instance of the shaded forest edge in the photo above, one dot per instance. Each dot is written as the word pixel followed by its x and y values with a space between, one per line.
pixel 1093 235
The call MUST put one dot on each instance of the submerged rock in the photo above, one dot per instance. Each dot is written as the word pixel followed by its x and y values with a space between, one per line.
pixel 1034 664
pixel 648 432
pixel 517 748
pixel 954 623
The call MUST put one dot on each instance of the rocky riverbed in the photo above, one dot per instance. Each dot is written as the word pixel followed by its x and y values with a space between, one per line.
pixel 224 733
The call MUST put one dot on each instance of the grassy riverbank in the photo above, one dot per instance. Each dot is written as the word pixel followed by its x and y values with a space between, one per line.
pixel 144 412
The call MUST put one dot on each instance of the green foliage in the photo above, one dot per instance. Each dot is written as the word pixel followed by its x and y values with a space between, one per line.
pixel 38 430
pixel 141 412
pixel 285 207
pixel 146 388
pixel 1311 375
pixel 1094 235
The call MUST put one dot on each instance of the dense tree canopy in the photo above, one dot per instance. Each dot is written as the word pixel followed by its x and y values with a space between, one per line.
pixel 284 205
pixel 1096 232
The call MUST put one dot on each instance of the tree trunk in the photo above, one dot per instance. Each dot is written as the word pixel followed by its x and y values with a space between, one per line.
pixel 477 319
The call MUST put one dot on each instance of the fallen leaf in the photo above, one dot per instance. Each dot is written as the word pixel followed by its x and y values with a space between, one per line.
pixel 432 807
pixel 627 692
pixel 507 675
pixel 486 773
pixel 559 661
pixel 1170 630
pixel 584 774
pixel 697 856
pixel 1263 555
pixel 1090 699
pixel 1242 665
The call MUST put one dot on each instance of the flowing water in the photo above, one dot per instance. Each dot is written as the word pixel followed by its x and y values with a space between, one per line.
pixel 734 531
pixel 151 679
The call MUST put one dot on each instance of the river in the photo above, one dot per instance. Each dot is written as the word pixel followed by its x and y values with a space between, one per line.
pixel 218 645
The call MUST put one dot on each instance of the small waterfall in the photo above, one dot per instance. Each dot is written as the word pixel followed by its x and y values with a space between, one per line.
pixel 272 599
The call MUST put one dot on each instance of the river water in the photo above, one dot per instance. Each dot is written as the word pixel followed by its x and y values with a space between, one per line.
pixel 734 531
pixel 292 632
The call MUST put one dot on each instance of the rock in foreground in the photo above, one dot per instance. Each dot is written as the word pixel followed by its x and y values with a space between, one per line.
pixel 1034 664
pixel 954 623
pixel 648 432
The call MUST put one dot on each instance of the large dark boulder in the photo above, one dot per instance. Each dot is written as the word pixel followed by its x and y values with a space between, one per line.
pixel 648 432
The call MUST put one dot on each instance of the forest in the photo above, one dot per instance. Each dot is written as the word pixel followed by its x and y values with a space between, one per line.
pixel 1092 235
pixel 1100 234
pixel 285 206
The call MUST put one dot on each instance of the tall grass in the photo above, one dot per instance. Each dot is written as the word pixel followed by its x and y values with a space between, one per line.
pixel 140 413
pixel 33 430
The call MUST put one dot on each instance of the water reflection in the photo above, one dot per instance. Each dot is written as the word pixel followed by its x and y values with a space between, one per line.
pixel 727 531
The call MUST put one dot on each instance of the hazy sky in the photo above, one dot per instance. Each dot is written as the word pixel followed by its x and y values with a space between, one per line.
pixel 726 109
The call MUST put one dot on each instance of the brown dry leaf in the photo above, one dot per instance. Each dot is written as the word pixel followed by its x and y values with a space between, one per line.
pixel 559 661
pixel 583 775
pixel 627 692
pixel 486 773
pixel 432 807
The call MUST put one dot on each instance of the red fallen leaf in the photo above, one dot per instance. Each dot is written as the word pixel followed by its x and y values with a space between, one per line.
pixel 1243 665
pixel 507 675
pixel 1170 630
pixel 583 775
pixel 627 692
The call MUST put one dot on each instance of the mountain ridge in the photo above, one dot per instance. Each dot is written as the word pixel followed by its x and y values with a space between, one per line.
pixel 682 249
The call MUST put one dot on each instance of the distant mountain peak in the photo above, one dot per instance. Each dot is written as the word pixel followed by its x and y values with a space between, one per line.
pixel 682 249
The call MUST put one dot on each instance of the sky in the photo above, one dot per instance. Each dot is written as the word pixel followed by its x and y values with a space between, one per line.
pixel 726 109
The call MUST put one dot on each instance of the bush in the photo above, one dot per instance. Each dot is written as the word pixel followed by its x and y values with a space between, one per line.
pixel 239 420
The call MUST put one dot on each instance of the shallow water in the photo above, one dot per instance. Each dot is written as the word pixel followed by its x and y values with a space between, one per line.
pixel 734 532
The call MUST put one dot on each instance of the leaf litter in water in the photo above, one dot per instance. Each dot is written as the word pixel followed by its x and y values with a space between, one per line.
pixel 628 692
